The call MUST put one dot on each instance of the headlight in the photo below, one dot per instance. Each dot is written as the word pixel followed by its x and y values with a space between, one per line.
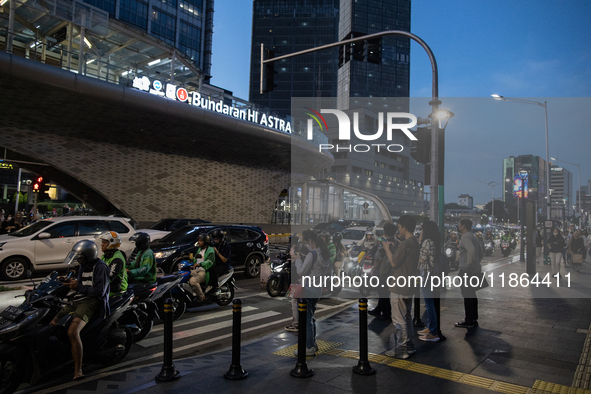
pixel 165 254
pixel 16 326
pixel 351 264
pixel 448 252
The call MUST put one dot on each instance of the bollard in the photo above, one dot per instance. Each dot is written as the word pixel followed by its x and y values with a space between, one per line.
pixel 168 372
pixel 417 322
pixel 363 367
pixel 236 372
pixel 301 369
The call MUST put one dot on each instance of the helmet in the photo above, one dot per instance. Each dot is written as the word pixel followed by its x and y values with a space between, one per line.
pixel 203 237
pixel 112 238
pixel 337 238
pixel 142 240
pixel 82 249
pixel 325 235
pixel 218 233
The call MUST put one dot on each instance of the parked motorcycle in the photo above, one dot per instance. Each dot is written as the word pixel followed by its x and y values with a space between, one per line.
pixel 505 248
pixel 184 297
pixel 489 247
pixel 139 318
pixel 279 281
pixel 31 348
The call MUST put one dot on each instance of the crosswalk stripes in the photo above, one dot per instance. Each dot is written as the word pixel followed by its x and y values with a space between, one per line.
pixel 183 335
pixel 202 318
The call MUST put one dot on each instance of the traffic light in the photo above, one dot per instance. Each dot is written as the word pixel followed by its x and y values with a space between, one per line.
pixel 268 71
pixel 37 185
pixel 420 150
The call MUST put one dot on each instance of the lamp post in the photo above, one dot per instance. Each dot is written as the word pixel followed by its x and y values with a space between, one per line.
pixel 434 103
pixel 523 176
pixel 579 167
pixel 492 184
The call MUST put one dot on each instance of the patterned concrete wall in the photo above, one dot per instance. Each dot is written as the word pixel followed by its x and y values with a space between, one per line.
pixel 149 185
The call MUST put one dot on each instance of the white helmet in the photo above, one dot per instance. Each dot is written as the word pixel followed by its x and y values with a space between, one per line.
pixel 112 238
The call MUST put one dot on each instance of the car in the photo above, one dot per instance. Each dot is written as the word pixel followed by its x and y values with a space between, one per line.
pixel 250 246
pixel 336 226
pixel 163 227
pixel 352 235
pixel 44 245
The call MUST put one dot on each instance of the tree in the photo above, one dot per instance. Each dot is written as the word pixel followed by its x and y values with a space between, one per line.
pixel 500 213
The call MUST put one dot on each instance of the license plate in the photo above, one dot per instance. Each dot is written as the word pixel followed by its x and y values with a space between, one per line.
pixel 12 313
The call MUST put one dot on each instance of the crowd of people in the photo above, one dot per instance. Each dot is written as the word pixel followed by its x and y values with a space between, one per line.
pixel 398 254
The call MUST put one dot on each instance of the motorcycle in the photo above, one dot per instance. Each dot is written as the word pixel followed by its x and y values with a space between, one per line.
pixel 489 247
pixel 139 318
pixel 505 248
pixel 184 297
pixel 31 348
pixel 360 264
pixel 279 281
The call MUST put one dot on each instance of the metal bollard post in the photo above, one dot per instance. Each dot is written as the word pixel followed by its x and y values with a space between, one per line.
pixel 168 372
pixel 236 372
pixel 363 367
pixel 417 322
pixel 301 369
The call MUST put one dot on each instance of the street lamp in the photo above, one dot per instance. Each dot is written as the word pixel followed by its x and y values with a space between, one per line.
pixel 579 166
pixel 492 184
pixel 545 106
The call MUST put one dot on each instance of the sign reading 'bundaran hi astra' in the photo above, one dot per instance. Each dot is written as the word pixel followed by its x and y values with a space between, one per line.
pixel 180 94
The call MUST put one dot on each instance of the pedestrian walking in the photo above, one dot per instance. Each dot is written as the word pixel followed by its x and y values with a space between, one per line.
pixel 382 269
pixel 404 263
pixel 314 265
pixel 469 261
pixel 429 253
pixel 556 245
pixel 539 247
pixel 294 251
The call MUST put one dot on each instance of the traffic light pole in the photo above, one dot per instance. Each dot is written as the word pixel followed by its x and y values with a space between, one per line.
pixel 434 184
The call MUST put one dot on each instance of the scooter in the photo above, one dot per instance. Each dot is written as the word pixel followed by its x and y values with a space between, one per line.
pixel 279 281
pixel 139 318
pixel 184 297
pixel 31 348
pixel 505 248
pixel 489 247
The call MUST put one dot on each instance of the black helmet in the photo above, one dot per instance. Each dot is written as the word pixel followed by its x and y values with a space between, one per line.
pixel 142 240
pixel 218 233
pixel 205 238
pixel 82 249
pixel 337 238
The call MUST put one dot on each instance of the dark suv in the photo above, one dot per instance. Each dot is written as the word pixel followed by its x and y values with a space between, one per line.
pixel 250 246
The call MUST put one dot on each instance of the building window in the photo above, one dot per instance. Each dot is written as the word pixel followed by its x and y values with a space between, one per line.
pixel 367 172
pixel 356 170
pixel 190 41
pixel 134 12
pixel 106 5
pixel 339 169
pixel 192 7
pixel 163 25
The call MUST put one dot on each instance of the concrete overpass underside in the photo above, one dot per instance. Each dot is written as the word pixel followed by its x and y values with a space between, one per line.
pixel 117 148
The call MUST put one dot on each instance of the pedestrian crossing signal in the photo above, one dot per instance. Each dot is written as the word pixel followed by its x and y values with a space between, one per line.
pixel 37 184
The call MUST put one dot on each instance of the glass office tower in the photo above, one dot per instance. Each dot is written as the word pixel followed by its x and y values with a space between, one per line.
pixel 185 24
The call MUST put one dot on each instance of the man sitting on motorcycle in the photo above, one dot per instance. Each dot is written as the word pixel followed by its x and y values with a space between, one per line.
pixel 203 262
pixel 143 268
pixel 223 253
pixel 115 260
pixel 92 295
pixel 488 236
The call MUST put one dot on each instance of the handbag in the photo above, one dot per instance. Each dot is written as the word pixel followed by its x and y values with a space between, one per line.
pixel 577 258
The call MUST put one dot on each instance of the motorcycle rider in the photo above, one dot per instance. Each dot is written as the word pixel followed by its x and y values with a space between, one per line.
pixel 332 249
pixel 454 244
pixel 143 268
pixel 115 260
pixel 223 257
pixel 92 294
pixel 203 262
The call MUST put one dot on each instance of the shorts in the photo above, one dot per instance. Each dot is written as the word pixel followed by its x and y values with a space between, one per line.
pixel 83 309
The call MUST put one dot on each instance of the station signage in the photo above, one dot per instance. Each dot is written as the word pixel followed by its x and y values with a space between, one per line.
pixel 172 92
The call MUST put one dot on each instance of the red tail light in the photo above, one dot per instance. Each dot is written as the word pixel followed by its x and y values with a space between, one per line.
pixel 266 237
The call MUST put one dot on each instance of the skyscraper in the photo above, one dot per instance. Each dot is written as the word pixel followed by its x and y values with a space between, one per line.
pixel 379 68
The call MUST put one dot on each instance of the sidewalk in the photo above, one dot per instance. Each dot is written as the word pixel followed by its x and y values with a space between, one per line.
pixel 523 345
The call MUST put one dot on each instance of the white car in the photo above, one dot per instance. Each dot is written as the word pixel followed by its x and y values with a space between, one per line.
pixel 352 235
pixel 45 244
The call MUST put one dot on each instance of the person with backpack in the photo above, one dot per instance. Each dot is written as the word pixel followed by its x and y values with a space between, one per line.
pixel 428 258
pixel 314 265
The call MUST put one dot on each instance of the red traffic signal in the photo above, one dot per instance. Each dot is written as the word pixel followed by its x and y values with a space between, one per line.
pixel 37 184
